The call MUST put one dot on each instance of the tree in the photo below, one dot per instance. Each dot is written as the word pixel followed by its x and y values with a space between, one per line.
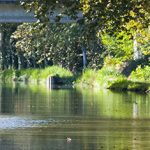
pixel 46 8
pixel 99 17
pixel 60 44
pixel 104 14
pixel 131 17
pixel 8 57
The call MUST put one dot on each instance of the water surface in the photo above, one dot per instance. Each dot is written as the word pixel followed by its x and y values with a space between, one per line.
pixel 36 118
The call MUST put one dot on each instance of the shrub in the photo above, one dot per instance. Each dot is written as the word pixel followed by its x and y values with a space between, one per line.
pixel 55 71
pixel 107 75
pixel 7 75
pixel 138 86
pixel 88 77
pixel 37 74
pixel 118 84
pixel 108 71
pixel 141 74
pixel 102 78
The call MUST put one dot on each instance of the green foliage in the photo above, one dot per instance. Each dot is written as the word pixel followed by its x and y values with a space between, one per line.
pixel 88 78
pixel 119 45
pixel 36 74
pixel 124 84
pixel 107 75
pixel 113 15
pixel 7 52
pixel 138 86
pixel 111 61
pixel 107 15
pixel 28 74
pixel 141 74
pixel 108 71
pixel 54 71
pixel 101 78
pixel 47 7
pixel 109 23
pixel 110 78
pixel 60 44
pixel 140 33
pixel 109 20
pixel 118 84
pixel 6 75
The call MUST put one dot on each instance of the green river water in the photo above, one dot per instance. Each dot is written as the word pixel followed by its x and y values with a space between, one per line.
pixel 37 118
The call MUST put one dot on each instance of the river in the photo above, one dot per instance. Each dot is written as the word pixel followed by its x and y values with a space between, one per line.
pixel 36 118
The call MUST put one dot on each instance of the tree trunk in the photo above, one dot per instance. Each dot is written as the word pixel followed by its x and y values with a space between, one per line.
pixel 4 63
pixel 1 50
pixel 19 62
pixel 84 56
pixel 136 49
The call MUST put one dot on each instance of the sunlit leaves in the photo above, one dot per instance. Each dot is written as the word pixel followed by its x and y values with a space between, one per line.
pixel 56 9
pixel 120 45
pixel 119 19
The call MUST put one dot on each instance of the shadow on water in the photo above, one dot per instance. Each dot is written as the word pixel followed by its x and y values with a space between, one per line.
pixel 34 118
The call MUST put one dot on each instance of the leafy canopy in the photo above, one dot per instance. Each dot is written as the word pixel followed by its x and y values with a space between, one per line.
pixel 103 14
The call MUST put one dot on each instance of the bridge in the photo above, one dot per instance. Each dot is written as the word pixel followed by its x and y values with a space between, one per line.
pixel 11 11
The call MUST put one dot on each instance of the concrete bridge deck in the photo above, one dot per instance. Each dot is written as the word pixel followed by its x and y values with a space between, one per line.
pixel 11 11
pixel 9 1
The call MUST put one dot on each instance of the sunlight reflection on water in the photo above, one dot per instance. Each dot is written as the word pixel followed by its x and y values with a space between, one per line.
pixel 18 122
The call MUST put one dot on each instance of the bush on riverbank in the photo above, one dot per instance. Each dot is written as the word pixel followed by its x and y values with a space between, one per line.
pixel 6 75
pixel 125 84
pixel 107 77
pixel 141 74
pixel 100 78
pixel 88 78
pixel 110 78
pixel 36 75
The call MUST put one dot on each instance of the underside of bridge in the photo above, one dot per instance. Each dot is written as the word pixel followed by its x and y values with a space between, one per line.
pixel 11 11
pixel 9 1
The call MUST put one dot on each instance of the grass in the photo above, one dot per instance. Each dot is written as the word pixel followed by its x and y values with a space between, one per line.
pixel 110 78
pixel 88 78
pixel 141 74
pixel 7 75
pixel 139 86
pixel 55 70
pixel 107 77
pixel 36 74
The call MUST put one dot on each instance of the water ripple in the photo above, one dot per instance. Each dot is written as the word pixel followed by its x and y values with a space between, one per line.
pixel 18 122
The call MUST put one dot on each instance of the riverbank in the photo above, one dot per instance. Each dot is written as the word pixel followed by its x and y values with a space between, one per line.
pixel 42 76
pixel 107 77
pixel 110 78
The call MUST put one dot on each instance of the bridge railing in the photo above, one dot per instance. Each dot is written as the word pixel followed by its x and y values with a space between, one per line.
pixel 9 1
pixel 11 11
